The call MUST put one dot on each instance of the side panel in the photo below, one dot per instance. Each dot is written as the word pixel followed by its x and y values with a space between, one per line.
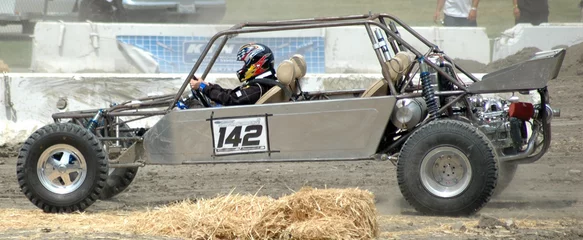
pixel 344 128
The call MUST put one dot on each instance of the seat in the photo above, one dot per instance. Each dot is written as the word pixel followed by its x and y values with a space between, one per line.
pixel 378 88
pixel 397 66
pixel 300 71
pixel 285 75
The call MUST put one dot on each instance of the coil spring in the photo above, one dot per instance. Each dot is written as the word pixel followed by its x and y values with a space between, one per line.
pixel 429 95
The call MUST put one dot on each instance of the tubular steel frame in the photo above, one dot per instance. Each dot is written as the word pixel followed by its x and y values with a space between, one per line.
pixel 394 39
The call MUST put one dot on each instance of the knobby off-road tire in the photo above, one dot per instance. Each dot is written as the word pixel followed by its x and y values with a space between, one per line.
pixel 62 167
pixel 118 179
pixel 447 167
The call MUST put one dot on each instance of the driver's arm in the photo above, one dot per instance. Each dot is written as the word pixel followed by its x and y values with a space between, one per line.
pixel 238 96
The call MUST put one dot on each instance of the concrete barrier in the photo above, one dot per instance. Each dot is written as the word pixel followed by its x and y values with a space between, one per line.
pixel 169 48
pixel 348 49
pixel 544 37
pixel 96 47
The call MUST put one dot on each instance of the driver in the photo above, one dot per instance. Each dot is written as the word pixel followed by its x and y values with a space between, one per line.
pixel 257 76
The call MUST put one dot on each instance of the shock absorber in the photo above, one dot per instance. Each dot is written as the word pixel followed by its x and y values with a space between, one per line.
pixel 427 90
pixel 93 122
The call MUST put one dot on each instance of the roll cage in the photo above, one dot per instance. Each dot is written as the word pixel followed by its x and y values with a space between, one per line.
pixel 387 23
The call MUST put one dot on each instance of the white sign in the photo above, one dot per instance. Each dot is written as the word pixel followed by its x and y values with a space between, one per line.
pixel 240 135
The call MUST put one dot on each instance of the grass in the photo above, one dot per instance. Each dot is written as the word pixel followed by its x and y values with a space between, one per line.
pixel 495 15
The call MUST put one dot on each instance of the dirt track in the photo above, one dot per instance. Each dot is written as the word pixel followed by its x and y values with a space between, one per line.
pixel 541 191
pixel 545 199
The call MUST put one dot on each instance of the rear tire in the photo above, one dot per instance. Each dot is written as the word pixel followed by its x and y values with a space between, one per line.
pixel 447 167
pixel 62 167
pixel 119 179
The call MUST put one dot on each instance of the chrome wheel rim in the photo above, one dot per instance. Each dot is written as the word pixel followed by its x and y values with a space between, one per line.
pixel 62 169
pixel 445 172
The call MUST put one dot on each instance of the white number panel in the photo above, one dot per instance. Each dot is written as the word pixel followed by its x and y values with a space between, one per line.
pixel 240 135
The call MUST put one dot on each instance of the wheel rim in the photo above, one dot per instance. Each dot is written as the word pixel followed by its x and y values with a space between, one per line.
pixel 446 172
pixel 62 169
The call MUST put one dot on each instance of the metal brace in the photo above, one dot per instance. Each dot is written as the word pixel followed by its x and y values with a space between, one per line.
pixel 9 105
pixel 94 36
pixel 378 45
pixel 62 30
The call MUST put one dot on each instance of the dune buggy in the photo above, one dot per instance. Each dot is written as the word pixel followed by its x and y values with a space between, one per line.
pixel 454 143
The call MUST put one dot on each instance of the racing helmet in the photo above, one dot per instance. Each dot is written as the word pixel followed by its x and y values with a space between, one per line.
pixel 257 59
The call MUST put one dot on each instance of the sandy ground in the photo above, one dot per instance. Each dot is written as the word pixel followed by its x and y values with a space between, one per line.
pixel 545 201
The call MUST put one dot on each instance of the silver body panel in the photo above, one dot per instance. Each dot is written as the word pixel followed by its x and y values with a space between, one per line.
pixel 327 129
pixel 529 75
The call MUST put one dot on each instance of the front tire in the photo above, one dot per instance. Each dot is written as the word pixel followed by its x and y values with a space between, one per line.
pixel 62 167
pixel 447 167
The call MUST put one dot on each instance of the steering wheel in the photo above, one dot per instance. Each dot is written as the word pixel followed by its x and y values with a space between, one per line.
pixel 201 97
pixel 197 94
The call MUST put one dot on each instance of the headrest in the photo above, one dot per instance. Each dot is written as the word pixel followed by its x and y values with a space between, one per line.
pixel 398 64
pixel 301 66
pixel 285 72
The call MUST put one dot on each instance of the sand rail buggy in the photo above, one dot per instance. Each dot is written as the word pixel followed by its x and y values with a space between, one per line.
pixel 454 143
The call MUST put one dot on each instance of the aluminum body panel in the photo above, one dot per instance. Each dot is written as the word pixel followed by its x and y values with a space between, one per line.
pixel 529 75
pixel 344 128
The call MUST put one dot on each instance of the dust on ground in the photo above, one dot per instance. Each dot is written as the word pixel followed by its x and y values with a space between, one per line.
pixel 544 201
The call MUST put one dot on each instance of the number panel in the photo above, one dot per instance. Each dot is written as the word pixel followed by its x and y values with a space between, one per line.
pixel 240 135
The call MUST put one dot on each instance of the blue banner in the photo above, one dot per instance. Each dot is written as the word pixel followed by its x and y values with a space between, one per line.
pixel 178 54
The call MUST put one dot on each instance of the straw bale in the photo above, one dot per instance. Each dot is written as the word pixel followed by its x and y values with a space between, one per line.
pixel 225 217
pixel 328 228
pixel 313 205
pixel 306 214
pixel 3 67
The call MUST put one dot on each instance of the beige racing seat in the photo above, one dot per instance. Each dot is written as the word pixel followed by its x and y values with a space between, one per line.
pixel 378 88
pixel 397 66
pixel 300 71
pixel 285 75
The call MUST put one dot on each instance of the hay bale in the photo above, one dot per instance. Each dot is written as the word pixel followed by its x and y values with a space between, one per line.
pixel 224 217
pixel 310 205
pixel 328 228
pixel 3 67
pixel 307 214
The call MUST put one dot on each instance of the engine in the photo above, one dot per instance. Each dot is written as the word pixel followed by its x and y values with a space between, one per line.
pixel 503 121
pixel 493 114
